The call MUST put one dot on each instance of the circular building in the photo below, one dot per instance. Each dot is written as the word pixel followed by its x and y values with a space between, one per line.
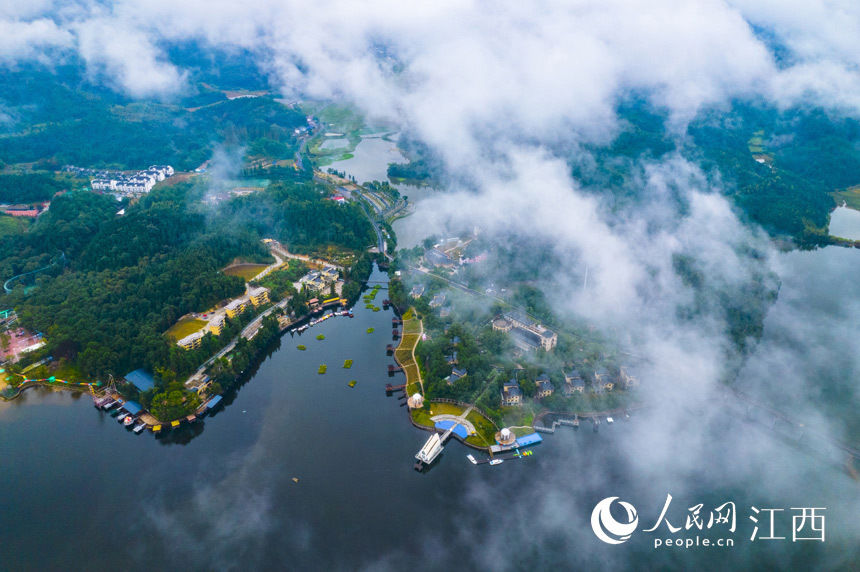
pixel 506 437
pixel 416 401
pixel 502 325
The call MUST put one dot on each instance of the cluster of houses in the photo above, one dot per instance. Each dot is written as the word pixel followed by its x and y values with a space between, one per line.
pixel 124 182
pixel 527 334
pixel 255 296
pixel 318 280
pixel 603 381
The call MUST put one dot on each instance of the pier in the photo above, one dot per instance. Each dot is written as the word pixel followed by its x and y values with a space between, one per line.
pixel 392 388
pixel 435 444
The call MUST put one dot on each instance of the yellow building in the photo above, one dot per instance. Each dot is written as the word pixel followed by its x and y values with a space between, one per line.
pixel 191 341
pixel 259 295
pixel 216 325
pixel 235 308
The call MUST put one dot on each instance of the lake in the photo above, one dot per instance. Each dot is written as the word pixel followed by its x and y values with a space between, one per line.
pixel 845 223
pixel 81 492
pixel 370 162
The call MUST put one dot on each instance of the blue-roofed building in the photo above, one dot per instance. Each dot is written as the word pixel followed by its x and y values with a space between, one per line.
pixel 142 380
pixel 456 373
pixel 133 407
pixel 528 440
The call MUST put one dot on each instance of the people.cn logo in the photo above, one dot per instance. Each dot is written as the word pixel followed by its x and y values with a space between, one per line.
pixel 609 530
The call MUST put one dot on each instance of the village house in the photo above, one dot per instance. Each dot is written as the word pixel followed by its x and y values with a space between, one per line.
pixel 628 376
pixel 573 382
pixel 437 300
pixel 456 373
pixel 544 386
pixel 435 257
pixel 417 291
pixel 512 395
pixel 603 380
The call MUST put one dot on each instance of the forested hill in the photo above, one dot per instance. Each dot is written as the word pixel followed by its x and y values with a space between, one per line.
pixel 127 278
pixel 55 118
pixel 779 168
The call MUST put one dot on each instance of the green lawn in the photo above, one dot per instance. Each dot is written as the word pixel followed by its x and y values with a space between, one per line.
pixel 185 327
pixel 246 272
pixel 851 196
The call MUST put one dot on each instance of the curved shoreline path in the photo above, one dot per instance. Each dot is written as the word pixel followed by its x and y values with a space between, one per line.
pixel 413 329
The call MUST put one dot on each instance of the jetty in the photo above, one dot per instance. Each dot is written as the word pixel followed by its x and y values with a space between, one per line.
pixel 435 444
pixel 392 388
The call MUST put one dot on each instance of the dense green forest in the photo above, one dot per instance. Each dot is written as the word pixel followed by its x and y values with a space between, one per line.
pixel 28 188
pixel 297 211
pixel 803 156
pixel 126 279
pixel 56 118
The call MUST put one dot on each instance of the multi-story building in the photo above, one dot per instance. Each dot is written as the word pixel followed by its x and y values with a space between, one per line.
pixel 544 386
pixel 511 393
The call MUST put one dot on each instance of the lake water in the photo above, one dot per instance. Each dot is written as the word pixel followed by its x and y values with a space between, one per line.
pixel 338 143
pixel 80 492
pixel 371 158
pixel 370 163
pixel 845 223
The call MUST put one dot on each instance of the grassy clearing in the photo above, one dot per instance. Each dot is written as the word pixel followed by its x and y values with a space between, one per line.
pixel 851 197
pixel 185 327
pixel 445 409
pixel 422 417
pixel 246 272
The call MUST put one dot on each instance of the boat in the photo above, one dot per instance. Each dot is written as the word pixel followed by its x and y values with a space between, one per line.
pixel 128 421
pixel 610 420
pixel 497 461
pixel 471 459
pixel 121 418
pixel 139 428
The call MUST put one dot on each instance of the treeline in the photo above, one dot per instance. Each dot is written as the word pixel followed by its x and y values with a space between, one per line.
pixel 28 188
pixel 423 165
pixel 298 213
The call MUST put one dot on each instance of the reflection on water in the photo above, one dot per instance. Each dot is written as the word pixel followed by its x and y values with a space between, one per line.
pixel 845 223
pixel 338 143
pixel 371 158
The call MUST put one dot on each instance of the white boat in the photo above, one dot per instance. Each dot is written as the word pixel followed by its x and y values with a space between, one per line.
pixel 610 420
pixel 497 461
pixel 139 428
pixel 128 421
pixel 472 459
pixel 120 418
